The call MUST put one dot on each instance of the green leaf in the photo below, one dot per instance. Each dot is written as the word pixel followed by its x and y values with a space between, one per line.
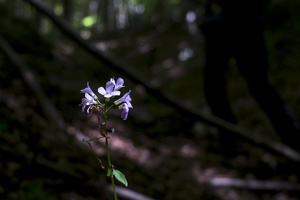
pixel 120 176
pixel 109 172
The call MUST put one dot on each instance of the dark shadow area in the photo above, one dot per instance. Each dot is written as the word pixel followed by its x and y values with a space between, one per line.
pixel 163 153
pixel 235 29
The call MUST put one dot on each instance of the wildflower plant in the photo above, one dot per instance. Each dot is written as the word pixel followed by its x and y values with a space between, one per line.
pixel 91 103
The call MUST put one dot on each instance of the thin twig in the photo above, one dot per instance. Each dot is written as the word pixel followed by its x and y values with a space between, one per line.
pixel 88 142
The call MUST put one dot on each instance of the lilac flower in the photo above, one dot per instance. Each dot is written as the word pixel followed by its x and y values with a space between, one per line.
pixel 125 99
pixel 124 113
pixel 119 83
pixel 87 101
pixel 88 90
pixel 111 88
pixel 124 104
pixel 90 98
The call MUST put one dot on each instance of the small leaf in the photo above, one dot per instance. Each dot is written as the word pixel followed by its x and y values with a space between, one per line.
pixel 109 172
pixel 120 177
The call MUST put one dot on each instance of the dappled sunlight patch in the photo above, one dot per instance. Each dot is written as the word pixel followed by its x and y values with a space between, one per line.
pixel 107 45
pixel 204 175
pixel 185 54
pixel 126 147
pixel 227 186
pixel 80 137
pixel 150 155
pixel 85 34
pixel 188 151
pixel 168 63
pixel 121 145
pixel 176 72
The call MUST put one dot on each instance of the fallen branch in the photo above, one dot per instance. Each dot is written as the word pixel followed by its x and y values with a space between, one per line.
pixel 120 66
pixel 129 194
pixel 252 184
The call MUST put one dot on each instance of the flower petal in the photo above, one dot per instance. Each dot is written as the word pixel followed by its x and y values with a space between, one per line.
pixel 88 96
pixel 115 93
pixel 109 87
pixel 101 90
pixel 124 113
pixel 129 104
pixel 113 81
pixel 83 107
pixel 87 90
pixel 88 110
pixel 124 99
pixel 119 84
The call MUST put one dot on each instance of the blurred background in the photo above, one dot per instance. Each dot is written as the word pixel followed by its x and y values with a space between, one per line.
pixel 163 153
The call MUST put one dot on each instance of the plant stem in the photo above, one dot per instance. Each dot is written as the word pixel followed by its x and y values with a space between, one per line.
pixel 111 166
pixel 108 159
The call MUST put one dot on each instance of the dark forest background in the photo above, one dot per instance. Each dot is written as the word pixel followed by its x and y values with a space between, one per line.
pixel 169 147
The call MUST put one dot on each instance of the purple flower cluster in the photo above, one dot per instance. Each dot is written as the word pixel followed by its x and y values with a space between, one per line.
pixel 111 89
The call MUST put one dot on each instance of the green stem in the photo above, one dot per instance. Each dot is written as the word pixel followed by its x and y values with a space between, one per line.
pixel 109 160
pixel 111 166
